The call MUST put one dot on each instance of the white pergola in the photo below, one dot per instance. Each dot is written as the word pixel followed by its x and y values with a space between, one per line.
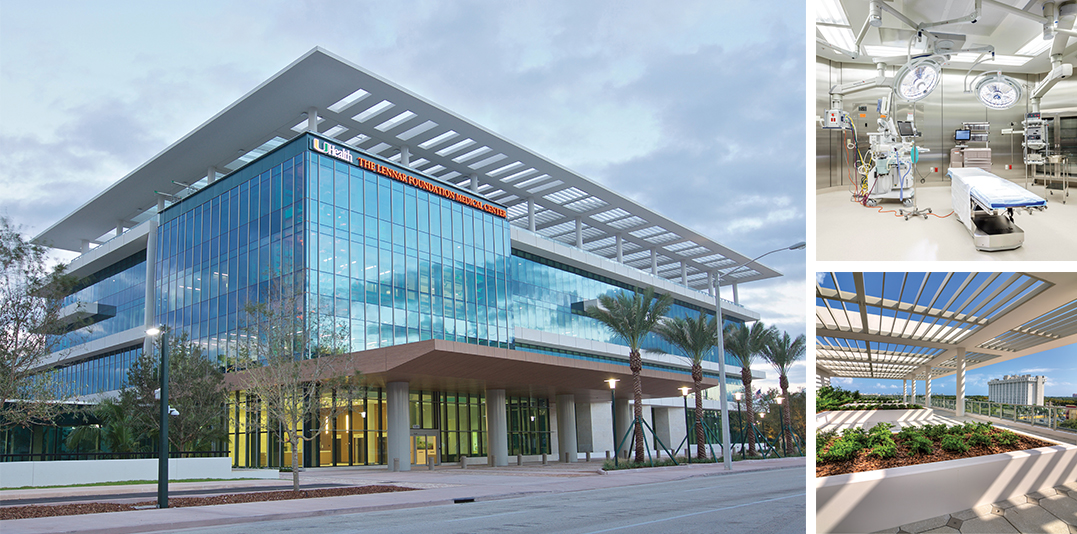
pixel 923 326
pixel 324 93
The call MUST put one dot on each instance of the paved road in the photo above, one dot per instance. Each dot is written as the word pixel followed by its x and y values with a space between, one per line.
pixel 769 501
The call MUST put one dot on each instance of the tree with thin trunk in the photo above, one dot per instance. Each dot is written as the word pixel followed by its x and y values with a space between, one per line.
pixel 782 351
pixel 745 344
pixel 292 360
pixel 695 337
pixel 32 327
pixel 631 316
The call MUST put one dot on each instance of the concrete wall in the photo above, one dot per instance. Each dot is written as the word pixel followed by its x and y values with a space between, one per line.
pixel 886 498
pixel 60 473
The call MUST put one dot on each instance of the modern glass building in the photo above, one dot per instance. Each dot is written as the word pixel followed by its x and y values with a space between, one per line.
pixel 456 263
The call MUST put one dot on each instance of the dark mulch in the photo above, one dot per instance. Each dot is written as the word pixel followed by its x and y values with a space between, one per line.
pixel 863 462
pixel 26 512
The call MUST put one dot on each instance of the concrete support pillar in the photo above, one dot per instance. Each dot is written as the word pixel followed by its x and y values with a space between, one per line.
pixel 624 422
pixel 531 214
pixel 710 284
pixel 600 429
pixel 151 284
pixel 669 426
pixel 905 391
pixel 497 428
pixel 912 395
pixel 927 391
pixel 566 427
pixel 119 228
pixel 579 232
pixel 312 122
pixel 399 431
pixel 620 249
pixel 85 246
pixel 405 156
pixel 654 262
pixel 736 297
pixel 160 203
pixel 959 410
pixel 211 175
pixel 473 183
pixel 585 428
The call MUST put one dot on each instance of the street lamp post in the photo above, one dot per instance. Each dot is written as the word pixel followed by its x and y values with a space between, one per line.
pixel 613 408
pixel 727 457
pixel 781 417
pixel 687 439
pixel 162 454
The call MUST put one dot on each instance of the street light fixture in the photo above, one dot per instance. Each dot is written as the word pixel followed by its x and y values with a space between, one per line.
pixel 166 410
pixel 687 440
pixel 613 408
pixel 727 455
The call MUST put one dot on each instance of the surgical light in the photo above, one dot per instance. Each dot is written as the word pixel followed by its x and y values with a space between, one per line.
pixel 917 79
pixel 998 91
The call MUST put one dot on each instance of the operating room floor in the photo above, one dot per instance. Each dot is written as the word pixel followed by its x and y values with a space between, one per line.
pixel 850 232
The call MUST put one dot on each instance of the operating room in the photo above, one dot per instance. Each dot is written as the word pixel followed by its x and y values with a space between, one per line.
pixel 946 130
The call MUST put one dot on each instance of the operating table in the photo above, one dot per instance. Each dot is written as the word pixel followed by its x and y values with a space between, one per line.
pixel 985 203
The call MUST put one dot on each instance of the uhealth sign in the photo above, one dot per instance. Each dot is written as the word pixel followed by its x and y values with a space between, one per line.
pixel 344 154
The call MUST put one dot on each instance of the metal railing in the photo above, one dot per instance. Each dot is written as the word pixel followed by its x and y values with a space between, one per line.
pixel 57 456
pixel 1049 416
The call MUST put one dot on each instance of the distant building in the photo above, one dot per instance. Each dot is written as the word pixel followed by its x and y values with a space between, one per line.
pixel 1014 389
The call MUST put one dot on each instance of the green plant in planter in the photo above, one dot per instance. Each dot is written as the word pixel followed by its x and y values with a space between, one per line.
pixel 884 450
pixel 935 431
pixel 1006 438
pixel 841 450
pixel 910 432
pixel 919 444
pixel 979 439
pixel 954 443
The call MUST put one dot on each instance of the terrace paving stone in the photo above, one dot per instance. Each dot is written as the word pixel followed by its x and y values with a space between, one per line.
pixel 894 530
pixel 991 524
pixel 1062 507
pixel 942 530
pixel 1032 518
pixel 927 524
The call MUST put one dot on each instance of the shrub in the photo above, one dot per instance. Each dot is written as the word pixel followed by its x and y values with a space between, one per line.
pixel 841 450
pixel 979 439
pixel 934 431
pixel 1005 437
pixel 856 435
pixel 954 443
pixel 884 450
pixel 910 432
pixel 918 444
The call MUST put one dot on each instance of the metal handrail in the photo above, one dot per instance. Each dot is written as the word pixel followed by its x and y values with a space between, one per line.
pixel 1048 416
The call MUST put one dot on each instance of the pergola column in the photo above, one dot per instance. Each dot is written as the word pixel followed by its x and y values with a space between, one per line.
pixel 905 391
pixel 399 431
pixel 405 156
pixel 654 262
pixel 912 395
pixel 497 433
pixel 927 391
pixel 473 183
pixel 579 232
pixel 959 410
pixel 312 120
pixel 620 249
pixel 531 214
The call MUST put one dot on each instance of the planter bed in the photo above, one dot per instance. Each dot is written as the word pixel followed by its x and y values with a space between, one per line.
pixel 870 417
pixel 883 498
pixel 865 461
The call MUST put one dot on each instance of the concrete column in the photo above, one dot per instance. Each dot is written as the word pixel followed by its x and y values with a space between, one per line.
pixel 566 427
pixel 624 421
pixel 684 274
pixel 620 249
pixel 531 214
pixel 497 428
pixel 669 426
pixel 579 232
pixel 85 246
pixel 473 183
pixel 927 391
pixel 710 284
pixel 405 156
pixel 119 228
pixel 399 431
pixel 160 203
pixel 905 391
pixel 654 262
pixel 151 284
pixel 912 396
pixel 736 297
pixel 959 410
pixel 211 175
pixel 585 433
pixel 312 126
pixel 600 429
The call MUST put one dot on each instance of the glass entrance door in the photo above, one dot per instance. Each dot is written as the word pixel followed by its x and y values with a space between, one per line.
pixel 424 446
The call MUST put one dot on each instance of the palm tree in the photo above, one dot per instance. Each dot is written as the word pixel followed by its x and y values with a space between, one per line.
pixel 781 352
pixel 695 337
pixel 745 344
pixel 631 316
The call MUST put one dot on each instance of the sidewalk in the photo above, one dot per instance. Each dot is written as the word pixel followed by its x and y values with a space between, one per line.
pixel 443 485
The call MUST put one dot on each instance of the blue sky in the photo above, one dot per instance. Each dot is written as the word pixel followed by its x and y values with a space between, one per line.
pixel 694 109
pixel 1058 365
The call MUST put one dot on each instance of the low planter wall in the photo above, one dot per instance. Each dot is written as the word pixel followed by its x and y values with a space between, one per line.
pixel 886 498
pixel 869 418
pixel 65 472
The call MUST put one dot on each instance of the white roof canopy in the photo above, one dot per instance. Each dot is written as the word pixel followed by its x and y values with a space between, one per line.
pixel 906 325
pixel 361 110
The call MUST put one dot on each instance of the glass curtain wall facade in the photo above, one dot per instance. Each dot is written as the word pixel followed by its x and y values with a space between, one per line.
pixel 120 286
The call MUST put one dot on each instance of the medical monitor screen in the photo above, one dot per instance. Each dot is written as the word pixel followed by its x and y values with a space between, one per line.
pixel 962 135
pixel 905 129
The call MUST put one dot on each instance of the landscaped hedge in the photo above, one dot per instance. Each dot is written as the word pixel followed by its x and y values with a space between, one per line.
pixel 849 407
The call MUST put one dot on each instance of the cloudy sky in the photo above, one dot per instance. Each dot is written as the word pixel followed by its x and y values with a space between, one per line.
pixel 694 109
pixel 1055 365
